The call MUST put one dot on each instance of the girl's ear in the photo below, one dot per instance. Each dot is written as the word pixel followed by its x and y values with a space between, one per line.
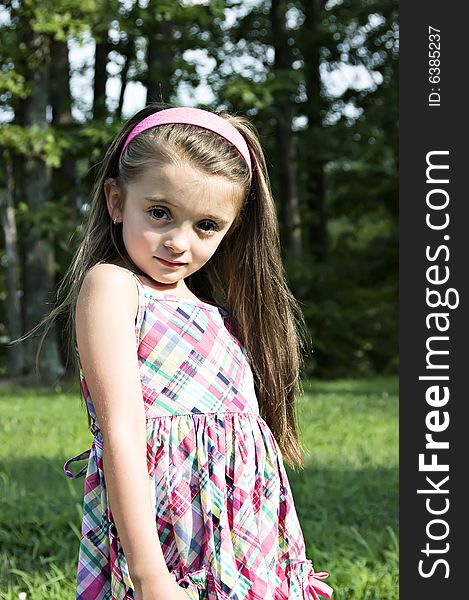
pixel 113 198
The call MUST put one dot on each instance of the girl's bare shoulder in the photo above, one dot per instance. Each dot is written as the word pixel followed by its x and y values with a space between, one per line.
pixel 108 287
pixel 108 275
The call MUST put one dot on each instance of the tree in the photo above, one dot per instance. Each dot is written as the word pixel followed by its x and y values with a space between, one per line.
pixel 332 156
pixel 37 255
pixel 285 140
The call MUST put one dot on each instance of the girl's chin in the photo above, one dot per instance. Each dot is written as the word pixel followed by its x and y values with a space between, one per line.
pixel 170 278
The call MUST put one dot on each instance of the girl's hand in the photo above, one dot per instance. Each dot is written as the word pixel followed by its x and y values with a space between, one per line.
pixel 160 589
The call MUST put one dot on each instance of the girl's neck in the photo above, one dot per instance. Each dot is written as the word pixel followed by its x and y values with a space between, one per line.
pixel 182 290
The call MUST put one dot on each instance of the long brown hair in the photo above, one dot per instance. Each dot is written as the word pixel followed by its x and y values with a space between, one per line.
pixel 245 274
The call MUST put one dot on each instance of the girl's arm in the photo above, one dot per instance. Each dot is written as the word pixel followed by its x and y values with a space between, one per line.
pixel 105 327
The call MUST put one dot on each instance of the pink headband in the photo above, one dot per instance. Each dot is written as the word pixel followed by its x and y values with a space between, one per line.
pixel 194 116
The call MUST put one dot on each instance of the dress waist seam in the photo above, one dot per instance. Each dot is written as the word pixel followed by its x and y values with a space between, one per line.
pixel 96 430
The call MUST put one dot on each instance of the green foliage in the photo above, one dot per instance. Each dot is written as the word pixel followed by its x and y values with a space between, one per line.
pixel 346 497
pixel 350 298
pixel 48 221
pixel 63 18
pixel 60 24
pixel 34 142
pixel 241 90
pixel 350 301
pixel 13 83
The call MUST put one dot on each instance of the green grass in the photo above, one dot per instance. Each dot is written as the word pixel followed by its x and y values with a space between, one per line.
pixel 346 497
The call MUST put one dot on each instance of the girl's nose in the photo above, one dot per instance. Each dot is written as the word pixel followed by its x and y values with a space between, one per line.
pixel 178 242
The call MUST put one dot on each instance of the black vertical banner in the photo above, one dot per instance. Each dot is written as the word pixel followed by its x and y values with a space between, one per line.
pixel 434 254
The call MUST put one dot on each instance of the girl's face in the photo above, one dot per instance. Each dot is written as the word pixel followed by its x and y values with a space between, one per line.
pixel 174 219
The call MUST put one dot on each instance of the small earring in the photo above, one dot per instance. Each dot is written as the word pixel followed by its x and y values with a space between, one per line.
pixel 115 220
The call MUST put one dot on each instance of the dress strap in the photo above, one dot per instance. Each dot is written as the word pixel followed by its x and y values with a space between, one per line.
pixel 79 457
pixel 82 456
pixel 135 276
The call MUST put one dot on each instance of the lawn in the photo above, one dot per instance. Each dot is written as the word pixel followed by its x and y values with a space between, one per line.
pixel 346 497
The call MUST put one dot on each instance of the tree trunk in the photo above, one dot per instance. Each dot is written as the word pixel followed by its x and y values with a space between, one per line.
pixel 124 75
pixel 159 63
pixel 62 120
pixel 315 189
pixel 285 143
pixel 61 96
pixel 64 180
pixel 38 256
pixel 100 76
pixel 15 353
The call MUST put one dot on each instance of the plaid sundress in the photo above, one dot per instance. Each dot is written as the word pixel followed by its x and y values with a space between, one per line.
pixel 223 506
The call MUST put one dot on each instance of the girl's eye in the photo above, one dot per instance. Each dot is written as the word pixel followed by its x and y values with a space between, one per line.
pixel 208 226
pixel 157 212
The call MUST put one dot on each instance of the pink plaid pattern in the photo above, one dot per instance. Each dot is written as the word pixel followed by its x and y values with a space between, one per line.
pixel 223 506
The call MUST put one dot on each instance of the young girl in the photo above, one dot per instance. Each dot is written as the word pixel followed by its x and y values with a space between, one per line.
pixel 188 348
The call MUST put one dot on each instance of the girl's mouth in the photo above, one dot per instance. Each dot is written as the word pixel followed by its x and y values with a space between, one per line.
pixel 169 263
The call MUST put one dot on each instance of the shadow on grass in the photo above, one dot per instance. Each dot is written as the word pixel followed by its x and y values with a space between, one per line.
pixel 332 504
pixel 40 515
pixel 344 514
pixel 375 385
